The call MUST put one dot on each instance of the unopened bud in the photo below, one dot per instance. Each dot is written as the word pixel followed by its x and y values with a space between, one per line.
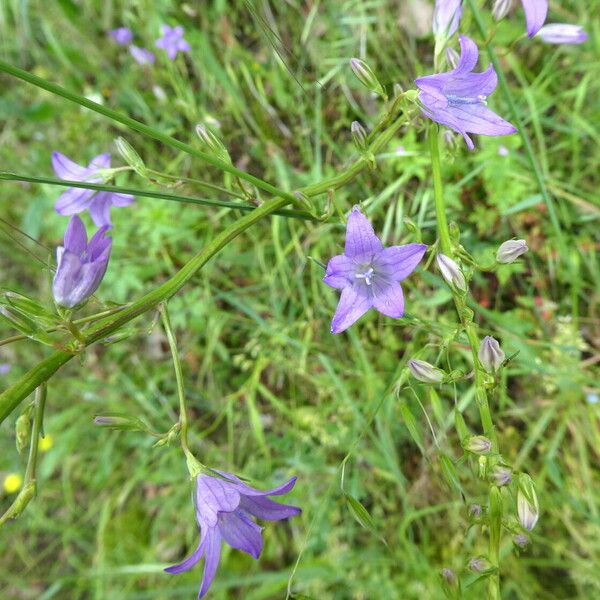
pixel 479 564
pixel 452 57
pixel 359 135
pixel 425 372
pixel 475 510
pixel 510 250
pixel 478 444
pixel 501 475
pixel 398 90
pixel 501 8
pixel 451 272
pixel 22 431
pixel 450 584
pixel 521 540
pixel 364 74
pixel 130 156
pixel 212 143
pixel 528 507
pixel 449 577
pixel 120 422
pixel 491 356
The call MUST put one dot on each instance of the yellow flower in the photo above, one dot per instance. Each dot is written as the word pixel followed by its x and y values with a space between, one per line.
pixel 12 483
pixel 46 443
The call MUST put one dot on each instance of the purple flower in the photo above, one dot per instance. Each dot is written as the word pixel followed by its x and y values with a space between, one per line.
pixel 457 98
pixel 368 274
pixel 122 35
pixel 80 265
pixel 562 33
pixel 223 512
pixel 76 200
pixel 4 368
pixel 446 17
pixel 172 41
pixel 141 55
pixel 535 14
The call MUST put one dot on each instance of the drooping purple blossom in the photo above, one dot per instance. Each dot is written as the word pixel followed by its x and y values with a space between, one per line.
pixel 76 200
pixel 141 55
pixel 80 265
pixel 172 41
pixel 535 14
pixel 446 17
pixel 368 274
pixel 458 98
pixel 224 511
pixel 122 35
pixel 562 33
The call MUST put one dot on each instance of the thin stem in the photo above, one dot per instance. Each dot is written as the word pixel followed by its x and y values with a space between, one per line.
pixel 142 128
pixel 6 176
pixel 183 418
pixel 440 209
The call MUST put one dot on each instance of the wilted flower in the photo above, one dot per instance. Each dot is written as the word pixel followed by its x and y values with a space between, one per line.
pixel 80 265
pixel 562 33
pixel 528 507
pixel 478 444
pixel 535 14
pixel 142 56
pixel 451 272
pixel 491 356
pixel 76 200
pixel 223 512
pixel 501 475
pixel 446 17
pixel 122 35
pixel 172 41
pixel 368 274
pixel 510 250
pixel 475 510
pixel 425 372
pixel 457 98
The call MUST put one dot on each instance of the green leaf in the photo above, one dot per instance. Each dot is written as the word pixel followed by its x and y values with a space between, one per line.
pixel 411 424
pixel 450 474
pixel 361 514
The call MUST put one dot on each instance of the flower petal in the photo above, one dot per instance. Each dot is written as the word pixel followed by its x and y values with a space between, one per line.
pixel 65 168
pixel 247 490
pixel 535 14
pixel 212 554
pixel 361 241
pixel 241 532
pixel 352 306
pixel 469 55
pixel 214 495
pixel 189 562
pixel 562 33
pixel 389 300
pixel 102 161
pixel 75 236
pixel 473 85
pixel 100 209
pixel 269 510
pixel 478 118
pixel 66 278
pixel 120 200
pixel 73 201
pixel 399 262
pixel 340 272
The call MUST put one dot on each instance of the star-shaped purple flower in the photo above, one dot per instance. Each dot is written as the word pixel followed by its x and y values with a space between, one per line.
pixel 172 41
pixel 457 98
pixel 368 274
pixel 80 265
pixel 122 35
pixel 535 14
pixel 224 511
pixel 76 200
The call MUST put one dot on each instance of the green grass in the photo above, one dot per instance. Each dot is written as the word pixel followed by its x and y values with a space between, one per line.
pixel 271 392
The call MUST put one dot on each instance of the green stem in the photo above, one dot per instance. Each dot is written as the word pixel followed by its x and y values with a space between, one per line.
pixel 183 418
pixel 516 117
pixel 38 423
pixel 142 128
pixel 6 176
pixel 440 209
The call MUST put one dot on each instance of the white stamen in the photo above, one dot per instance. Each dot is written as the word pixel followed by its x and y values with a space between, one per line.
pixel 367 275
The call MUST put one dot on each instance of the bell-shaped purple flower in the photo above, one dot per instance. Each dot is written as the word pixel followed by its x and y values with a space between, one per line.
pixel 172 41
pixel 224 511
pixel 368 274
pixel 76 200
pixel 80 265
pixel 535 14
pixel 562 33
pixel 458 98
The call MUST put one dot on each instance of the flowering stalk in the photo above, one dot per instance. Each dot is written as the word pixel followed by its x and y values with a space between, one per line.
pixel 466 315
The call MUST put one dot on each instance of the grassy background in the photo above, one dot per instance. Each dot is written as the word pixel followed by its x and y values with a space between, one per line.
pixel 272 393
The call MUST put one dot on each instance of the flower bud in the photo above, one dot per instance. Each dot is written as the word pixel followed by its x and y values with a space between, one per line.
pixel 451 272
pixel 521 540
pixel 22 431
pixel 212 143
pixel 479 564
pixel 446 17
pixel 501 475
pixel 510 250
pixel 500 9
pixel 130 156
pixel 490 354
pixel 562 33
pixel 425 372
pixel 478 444
pixel 366 76
pixel 120 422
pixel 528 507
pixel 359 135
pixel 475 511
pixel 452 57
pixel 450 584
